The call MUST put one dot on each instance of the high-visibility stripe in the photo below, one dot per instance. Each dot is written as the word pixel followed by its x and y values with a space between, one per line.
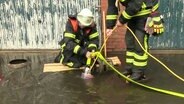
pixel 62 47
pixel 94 35
pixel 142 12
pixel 92 45
pixel 147 11
pixel 62 57
pixel 69 35
pixel 129 60
pixel 76 49
pixel 139 64
pixel 77 40
pixel 111 17
pixel 70 64
pixel 139 57
pixel 141 61
pixel 145 55
pixel 129 57
pixel 143 5
pixel 122 0
pixel 128 53
pixel 127 16
pixel 146 42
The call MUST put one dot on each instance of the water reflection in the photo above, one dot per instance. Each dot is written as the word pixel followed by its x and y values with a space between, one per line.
pixel 29 85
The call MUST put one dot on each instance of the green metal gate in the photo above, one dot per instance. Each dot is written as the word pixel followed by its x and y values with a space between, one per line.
pixel 173 38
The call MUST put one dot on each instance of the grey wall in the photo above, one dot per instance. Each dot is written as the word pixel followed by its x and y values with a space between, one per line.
pixel 38 24
pixel 173 38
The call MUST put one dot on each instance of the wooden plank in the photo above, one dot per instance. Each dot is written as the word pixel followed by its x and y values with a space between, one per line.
pixel 115 60
pixel 56 67
pixel 104 33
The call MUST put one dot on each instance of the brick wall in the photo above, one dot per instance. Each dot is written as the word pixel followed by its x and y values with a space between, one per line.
pixel 116 41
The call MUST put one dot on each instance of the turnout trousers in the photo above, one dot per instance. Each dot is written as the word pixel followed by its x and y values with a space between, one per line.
pixel 136 58
pixel 70 59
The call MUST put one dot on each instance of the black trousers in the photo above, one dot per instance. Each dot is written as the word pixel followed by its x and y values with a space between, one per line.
pixel 70 59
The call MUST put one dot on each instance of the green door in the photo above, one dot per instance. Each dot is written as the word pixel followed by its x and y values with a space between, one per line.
pixel 173 38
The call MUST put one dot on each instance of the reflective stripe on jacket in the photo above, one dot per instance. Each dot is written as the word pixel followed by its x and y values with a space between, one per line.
pixel 133 8
pixel 78 40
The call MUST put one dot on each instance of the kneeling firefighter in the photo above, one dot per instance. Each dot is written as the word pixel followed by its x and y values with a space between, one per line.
pixel 79 39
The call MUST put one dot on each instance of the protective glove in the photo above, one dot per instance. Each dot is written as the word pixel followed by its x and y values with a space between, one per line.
pixel 88 54
pixel 109 32
pixel 154 24
pixel 93 55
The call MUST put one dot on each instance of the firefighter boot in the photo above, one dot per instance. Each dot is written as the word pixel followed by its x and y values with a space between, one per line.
pixel 137 75
pixel 127 72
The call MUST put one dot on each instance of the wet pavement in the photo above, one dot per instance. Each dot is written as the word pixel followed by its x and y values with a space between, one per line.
pixel 29 85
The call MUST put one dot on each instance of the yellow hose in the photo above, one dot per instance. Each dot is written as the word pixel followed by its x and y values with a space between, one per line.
pixel 137 83
pixel 99 55
pixel 153 56
pixel 101 49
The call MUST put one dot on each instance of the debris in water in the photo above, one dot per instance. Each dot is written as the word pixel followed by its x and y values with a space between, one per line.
pixel 87 76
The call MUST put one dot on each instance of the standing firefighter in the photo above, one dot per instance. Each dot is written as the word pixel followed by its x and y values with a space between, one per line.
pixel 79 39
pixel 143 18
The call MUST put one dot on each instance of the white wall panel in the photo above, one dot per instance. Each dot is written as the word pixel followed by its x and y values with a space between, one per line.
pixel 38 24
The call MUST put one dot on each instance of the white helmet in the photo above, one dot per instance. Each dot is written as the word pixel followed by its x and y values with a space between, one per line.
pixel 85 17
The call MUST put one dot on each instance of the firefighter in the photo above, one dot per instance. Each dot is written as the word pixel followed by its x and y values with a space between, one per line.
pixel 79 39
pixel 135 16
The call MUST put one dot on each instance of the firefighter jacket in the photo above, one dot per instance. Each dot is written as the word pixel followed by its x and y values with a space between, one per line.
pixel 133 8
pixel 77 40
